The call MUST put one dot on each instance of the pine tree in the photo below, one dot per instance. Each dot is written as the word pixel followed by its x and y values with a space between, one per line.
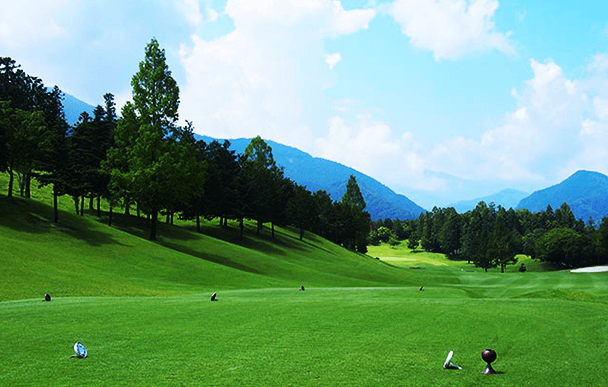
pixel 149 171
pixel 357 220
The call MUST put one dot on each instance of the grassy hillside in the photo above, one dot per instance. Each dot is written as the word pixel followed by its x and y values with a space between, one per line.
pixel 83 256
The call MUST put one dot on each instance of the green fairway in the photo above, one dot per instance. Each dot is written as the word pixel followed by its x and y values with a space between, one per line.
pixel 142 309
pixel 401 255
pixel 363 337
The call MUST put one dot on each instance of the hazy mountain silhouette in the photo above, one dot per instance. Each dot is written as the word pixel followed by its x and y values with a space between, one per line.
pixel 507 198
pixel 73 107
pixel 321 174
pixel 585 192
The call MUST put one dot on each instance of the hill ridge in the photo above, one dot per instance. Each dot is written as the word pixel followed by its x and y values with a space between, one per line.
pixel 585 192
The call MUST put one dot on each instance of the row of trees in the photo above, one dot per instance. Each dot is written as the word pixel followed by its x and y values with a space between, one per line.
pixel 145 161
pixel 33 130
pixel 491 236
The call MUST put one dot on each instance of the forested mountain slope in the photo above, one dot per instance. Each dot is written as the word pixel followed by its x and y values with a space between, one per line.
pixel 321 174
pixel 586 193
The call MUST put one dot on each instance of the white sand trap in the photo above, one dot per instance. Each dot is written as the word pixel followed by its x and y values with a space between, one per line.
pixel 593 269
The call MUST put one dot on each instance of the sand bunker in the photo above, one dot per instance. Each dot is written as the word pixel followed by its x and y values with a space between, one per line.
pixel 594 269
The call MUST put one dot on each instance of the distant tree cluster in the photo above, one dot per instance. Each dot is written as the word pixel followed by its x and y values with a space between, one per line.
pixel 144 162
pixel 492 236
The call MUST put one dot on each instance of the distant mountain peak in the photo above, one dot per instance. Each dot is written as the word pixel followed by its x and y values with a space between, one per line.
pixel 507 198
pixel 320 174
pixel 585 192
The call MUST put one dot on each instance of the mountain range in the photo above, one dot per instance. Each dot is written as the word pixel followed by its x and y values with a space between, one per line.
pixel 586 192
pixel 321 174
pixel 507 198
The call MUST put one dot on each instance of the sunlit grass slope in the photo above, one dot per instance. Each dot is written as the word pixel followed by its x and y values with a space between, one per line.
pixel 83 256
pixel 404 256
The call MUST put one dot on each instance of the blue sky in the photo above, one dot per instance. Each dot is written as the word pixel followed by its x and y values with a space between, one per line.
pixel 495 94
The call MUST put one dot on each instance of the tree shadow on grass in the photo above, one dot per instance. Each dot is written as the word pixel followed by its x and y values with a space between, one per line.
pixel 222 260
pixel 32 217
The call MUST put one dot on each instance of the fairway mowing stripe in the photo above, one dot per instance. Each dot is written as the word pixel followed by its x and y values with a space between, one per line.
pixel 313 288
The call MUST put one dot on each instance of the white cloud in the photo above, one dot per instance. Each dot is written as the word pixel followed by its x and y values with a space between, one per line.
pixel 268 75
pixel 332 59
pixel 451 28
pixel 212 15
pixel 23 23
pixel 371 147
pixel 548 137
pixel 348 22
pixel 191 11
pixel 600 106
pixel 599 62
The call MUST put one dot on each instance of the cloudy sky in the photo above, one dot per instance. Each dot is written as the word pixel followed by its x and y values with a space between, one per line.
pixel 441 100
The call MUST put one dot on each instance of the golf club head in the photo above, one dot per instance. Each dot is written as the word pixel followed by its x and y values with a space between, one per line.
pixel 448 363
pixel 80 350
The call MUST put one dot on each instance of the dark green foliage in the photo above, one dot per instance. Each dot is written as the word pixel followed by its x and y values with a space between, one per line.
pixel 356 221
pixel 324 221
pixel 143 159
pixel 22 135
pixel 384 234
pixel 33 125
pixel 450 232
pixel 152 170
pixel 25 92
pixel 400 230
pixel 504 243
pixel 491 237
pixel 563 246
pixel 320 174
pixel 88 145
pixel 221 185
pixel 54 159
pixel 301 208
pixel 266 182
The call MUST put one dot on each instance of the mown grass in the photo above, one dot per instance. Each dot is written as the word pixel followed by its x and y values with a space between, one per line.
pixel 283 337
pixel 404 256
pixel 361 321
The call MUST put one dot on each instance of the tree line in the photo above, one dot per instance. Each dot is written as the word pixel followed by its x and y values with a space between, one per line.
pixel 492 236
pixel 144 162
